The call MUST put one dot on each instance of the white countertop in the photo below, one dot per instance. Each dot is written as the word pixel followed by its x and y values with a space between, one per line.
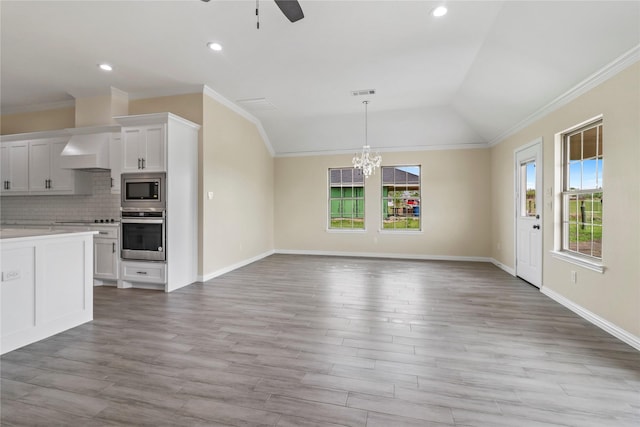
pixel 15 234
pixel 55 224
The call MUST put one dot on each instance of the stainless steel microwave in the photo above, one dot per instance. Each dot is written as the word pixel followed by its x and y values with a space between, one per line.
pixel 143 191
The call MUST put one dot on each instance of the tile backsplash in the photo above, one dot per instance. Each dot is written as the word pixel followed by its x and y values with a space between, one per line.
pixel 101 204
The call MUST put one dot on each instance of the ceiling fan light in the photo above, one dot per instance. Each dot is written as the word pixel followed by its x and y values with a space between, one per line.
pixel 439 11
pixel 215 46
pixel 105 67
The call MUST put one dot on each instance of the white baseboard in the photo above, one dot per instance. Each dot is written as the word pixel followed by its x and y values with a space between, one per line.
pixel 235 266
pixel 383 255
pixel 501 266
pixel 603 324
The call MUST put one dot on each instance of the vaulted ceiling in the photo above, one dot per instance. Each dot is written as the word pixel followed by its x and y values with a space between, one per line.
pixel 464 79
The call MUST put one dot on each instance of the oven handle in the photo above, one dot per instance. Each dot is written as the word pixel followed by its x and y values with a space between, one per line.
pixel 141 221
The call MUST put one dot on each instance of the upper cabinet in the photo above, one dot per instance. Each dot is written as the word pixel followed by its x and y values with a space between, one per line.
pixel 14 167
pixel 32 167
pixel 144 148
pixel 44 167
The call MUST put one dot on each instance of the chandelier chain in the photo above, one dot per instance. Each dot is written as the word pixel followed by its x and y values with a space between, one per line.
pixel 366 161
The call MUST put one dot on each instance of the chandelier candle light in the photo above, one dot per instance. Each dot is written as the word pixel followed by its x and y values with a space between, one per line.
pixel 365 161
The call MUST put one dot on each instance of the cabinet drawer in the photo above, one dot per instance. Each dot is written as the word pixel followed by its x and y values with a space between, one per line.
pixel 106 232
pixel 148 272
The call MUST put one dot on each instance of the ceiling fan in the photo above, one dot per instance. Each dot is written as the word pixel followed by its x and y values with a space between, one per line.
pixel 290 8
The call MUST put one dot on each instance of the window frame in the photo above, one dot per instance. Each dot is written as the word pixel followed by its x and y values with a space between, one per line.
pixel 353 198
pixel 384 201
pixel 563 194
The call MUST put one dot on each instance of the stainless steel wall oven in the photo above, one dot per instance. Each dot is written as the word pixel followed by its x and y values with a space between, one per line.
pixel 143 235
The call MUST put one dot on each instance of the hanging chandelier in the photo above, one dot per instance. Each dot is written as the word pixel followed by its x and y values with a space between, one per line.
pixel 365 160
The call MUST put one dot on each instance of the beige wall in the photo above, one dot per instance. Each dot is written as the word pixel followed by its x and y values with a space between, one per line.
pixel 455 206
pixel 188 106
pixel 238 170
pixel 37 121
pixel 614 295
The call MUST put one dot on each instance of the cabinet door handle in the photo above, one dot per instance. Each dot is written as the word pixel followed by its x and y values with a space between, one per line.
pixel 8 185
pixel 138 162
pixel 103 232
pixel 113 247
pixel 141 272
pixel 143 163
pixel 111 182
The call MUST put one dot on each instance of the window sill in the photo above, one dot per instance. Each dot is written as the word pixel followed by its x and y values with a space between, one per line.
pixel 346 230
pixel 582 262
pixel 401 231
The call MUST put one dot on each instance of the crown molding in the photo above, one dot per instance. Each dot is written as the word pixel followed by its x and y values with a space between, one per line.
pixel 206 90
pixel 419 148
pixel 605 73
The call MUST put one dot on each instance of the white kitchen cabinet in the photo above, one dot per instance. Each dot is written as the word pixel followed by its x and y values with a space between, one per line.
pixel 105 254
pixel 115 161
pixel 14 168
pixel 46 285
pixel 143 272
pixel 173 141
pixel 144 148
pixel 45 174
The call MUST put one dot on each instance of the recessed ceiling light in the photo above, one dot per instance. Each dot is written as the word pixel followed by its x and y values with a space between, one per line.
pixel 105 67
pixel 215 46
pixel 439 11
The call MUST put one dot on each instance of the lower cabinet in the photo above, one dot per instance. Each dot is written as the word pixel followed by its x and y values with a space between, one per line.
pixel 105 258
pixel 46 286
pixel 143 272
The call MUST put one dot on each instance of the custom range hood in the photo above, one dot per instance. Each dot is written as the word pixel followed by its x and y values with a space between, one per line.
pixel 88 148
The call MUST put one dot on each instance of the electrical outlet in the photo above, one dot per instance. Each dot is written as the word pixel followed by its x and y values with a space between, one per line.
pixel 574 277
pixel 10 275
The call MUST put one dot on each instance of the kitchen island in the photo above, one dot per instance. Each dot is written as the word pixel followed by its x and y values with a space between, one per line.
pixel 47 284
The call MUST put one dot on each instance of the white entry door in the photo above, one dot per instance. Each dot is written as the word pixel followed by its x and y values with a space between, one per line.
pixel 528 179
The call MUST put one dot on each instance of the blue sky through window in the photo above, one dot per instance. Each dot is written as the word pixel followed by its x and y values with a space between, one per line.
pixel 411 169
pixel 591 174
pixel 531 175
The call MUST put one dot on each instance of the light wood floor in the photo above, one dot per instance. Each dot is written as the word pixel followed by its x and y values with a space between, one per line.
pixel 322 341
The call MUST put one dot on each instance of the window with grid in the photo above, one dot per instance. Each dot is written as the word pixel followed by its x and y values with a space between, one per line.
pixel 346 199
pixel 582 194
pixel 401 209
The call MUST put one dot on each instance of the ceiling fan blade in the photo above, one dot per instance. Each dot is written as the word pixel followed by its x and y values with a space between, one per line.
pixel 291 9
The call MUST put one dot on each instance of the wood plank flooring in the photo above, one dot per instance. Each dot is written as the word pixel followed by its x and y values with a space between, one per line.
pixel 322 341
